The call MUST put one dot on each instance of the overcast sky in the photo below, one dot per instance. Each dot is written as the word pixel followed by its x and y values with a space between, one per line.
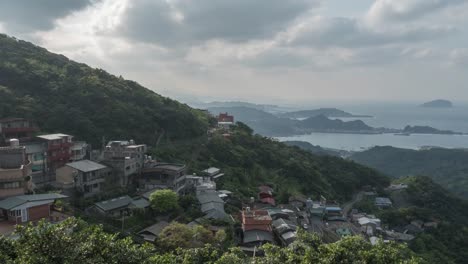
pixel 261 50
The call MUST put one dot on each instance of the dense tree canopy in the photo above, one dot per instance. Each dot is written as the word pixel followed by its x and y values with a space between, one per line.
pixel 64 96
pixel 74 241
pixel 164 201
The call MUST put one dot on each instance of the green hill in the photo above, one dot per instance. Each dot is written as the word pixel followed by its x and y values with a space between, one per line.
pixel 448 167
pixel 62 95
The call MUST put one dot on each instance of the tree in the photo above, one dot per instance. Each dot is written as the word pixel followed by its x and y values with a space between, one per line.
pixel 164 201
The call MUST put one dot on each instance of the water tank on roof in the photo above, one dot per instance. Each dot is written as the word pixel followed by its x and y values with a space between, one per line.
pixel 132 142
pixel 14 143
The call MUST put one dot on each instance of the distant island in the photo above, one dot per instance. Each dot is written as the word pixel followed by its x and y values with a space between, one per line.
pixel 328 112
pixel 440 103
pixel 428 130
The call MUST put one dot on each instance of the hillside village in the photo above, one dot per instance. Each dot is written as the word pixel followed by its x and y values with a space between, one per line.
pixel 53 177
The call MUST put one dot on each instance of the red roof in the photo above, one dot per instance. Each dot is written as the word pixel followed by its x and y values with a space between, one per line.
pixel 256 220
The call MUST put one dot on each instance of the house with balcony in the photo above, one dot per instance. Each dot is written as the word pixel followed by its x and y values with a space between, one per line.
pixel 85 176
pixel 157 175
pixel 16 128
pixel 125 158
pixel 15 170
pixel 79 151
pixel 36 152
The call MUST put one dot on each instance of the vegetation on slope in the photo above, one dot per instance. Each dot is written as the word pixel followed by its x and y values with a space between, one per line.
pixel 62 95
pixel 448 167
pixel 428 201
pixel 74 241
pixel 249 160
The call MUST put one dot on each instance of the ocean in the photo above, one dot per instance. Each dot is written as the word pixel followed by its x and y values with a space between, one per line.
pixel 396 116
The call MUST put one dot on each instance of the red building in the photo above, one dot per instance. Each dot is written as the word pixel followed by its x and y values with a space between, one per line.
pixel 18 128
pixel 256 220
pixel 225 117
pixel 266 195
pixel 58 149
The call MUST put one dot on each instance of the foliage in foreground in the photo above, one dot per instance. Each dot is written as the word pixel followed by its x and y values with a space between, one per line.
pixel 74 241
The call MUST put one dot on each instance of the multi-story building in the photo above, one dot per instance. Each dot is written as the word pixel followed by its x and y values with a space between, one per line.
pixel 79 151
pixel 87 177
pixel 155 175
pixel 16 128
pixel 37 154
pixel 15 170
pixel 125 158
pixel 58 149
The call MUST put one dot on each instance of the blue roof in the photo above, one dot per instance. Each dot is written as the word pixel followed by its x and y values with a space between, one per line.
pixel 333 208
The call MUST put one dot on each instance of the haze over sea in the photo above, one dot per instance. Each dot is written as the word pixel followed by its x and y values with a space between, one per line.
pixel 397 116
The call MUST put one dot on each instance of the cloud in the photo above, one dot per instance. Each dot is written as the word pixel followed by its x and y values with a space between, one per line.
pixel 459 57
pixel 351 32
pixel 186 22
pixel 23 16
pixel 383 11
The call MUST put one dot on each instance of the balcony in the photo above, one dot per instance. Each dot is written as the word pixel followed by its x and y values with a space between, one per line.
pixel 18 174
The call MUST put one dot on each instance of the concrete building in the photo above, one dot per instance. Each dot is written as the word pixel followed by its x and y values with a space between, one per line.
pixel 15 170
pixel 79 151
pixel 125 158
pixel 156 175
pixel 37 154
pixel 16 128
pixel 24 208
pixel 85 176
pixel 383 202
pixel 58 149
pixel 225 120
pixel 256 229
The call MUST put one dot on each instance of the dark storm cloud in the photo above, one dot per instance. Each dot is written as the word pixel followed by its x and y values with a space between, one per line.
pixel 31 15
pixel 188 21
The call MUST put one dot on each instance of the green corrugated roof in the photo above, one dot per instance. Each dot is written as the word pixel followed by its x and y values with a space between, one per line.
pixel 15 201
pixel 114 203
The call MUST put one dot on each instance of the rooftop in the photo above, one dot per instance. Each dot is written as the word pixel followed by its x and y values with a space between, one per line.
pixel 53 136
pixel 86 165
pixel 115 203
pixel 15 201
pixel 212 170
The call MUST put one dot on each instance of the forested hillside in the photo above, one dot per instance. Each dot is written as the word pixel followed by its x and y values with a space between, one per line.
pixel 448 167
pixel 64 96
pixel 427 201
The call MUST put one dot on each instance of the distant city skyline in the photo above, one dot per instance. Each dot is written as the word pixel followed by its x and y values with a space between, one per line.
pixel 266 51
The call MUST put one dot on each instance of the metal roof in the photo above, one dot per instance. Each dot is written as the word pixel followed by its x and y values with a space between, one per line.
pixel 140 203
pixel 15 201
pixel 86 165
pixel 212 170
pixel 257 235
pixel 209 196
pixel 115 203
pixel 53 136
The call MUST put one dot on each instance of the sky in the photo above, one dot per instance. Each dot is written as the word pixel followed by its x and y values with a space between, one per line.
pixel 267 51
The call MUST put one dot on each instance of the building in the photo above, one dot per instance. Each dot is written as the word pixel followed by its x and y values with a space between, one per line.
pixel 265 195
pixel 285 230
pixel 15 170
pixel 37 154
pixel 383 202
pixel 58 150
pixel 211 204
pixel 16 128
pixel 87 177
pixel 156 175
pixel 225 120
pixel 297 201
pixel 256 228
pixel 80 151
pixel 125 158
pixel 333 212
pixel 151 233
pixel 369 225
pixel 121 206
pixel 24 208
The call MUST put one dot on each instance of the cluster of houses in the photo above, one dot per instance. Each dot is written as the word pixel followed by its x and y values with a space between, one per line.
pixel 29 160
